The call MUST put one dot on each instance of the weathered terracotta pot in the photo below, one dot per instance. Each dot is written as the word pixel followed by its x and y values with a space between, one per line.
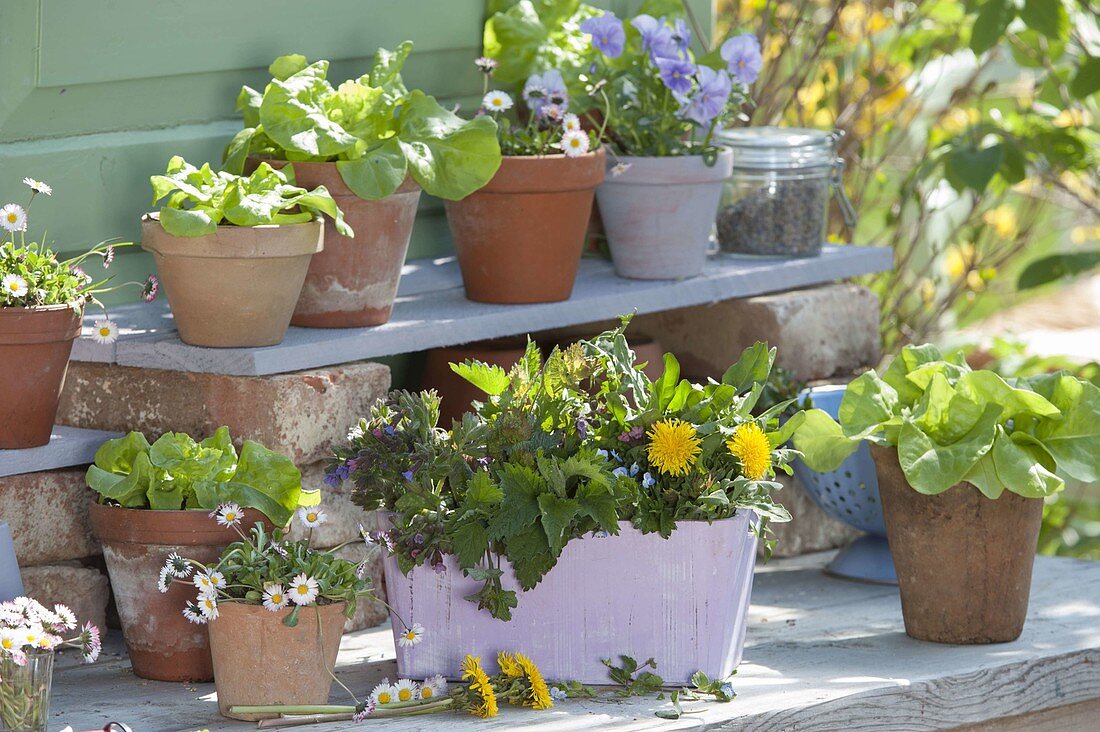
pixel 519 239
pixel 34 347
pixel 162 644
pixel 963 560
pixel 353 282
pixel 258 661
pixel 236 288
pixel 659 214
pixel 455 391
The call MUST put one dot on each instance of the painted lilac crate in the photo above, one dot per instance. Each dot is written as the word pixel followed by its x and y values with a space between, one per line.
pixel 682 600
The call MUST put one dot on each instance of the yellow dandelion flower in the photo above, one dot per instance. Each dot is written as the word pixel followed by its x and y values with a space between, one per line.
pixel 538 697
pixel 751 446
pixel 481 686
pixel 673 446
pixel 509 666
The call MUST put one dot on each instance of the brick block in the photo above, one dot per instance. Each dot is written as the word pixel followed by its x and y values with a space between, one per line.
pixel 819 332
pixel 84 589
pixel 48 516
pixel 810 529
pixel 299 413
pixel 344 516
pixel 368 613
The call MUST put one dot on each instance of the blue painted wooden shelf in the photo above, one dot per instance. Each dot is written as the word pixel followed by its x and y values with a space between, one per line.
pixel 68 447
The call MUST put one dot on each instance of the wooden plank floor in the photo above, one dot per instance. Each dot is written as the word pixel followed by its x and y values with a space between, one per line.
pixel 822 654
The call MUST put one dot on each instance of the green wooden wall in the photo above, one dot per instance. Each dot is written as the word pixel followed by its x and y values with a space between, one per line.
pixel 96 95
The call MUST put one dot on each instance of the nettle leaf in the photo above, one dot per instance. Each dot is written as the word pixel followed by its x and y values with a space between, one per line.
pixel 557 516
pixel 482 492
pixel 598 503
pixel 529 553
pixel 471 541
pixel 491 379
pixel 519 508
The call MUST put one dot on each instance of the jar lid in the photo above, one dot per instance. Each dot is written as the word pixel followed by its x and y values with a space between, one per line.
pixel 779 148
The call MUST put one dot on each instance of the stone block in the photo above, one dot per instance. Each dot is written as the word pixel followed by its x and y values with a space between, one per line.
pixel 810 529
pixel 299 413
pixel 344 516
pixel 84 589
pixel 48 516
pixel 819 332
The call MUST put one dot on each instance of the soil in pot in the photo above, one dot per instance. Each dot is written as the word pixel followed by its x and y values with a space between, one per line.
pixel 659 214
pixel 35 344
pixel 238 287
pixel 963 560
pixel 163 645
pixel 259 661
pixel 520 238
pixel 455 391
pixel 353 282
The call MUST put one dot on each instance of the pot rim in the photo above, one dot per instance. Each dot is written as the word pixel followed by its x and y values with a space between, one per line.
pixel 672 170
pixel 249 608
pixel 278 241
pixel 160 527
pixel 23 309
pixel 544 174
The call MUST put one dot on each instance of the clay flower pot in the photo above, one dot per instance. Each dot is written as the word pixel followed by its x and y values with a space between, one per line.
pixel 162 643
pixel 519 239
pixel 34 347
pixel 457 393
pixel 659 214
pixel 258 661
pixel 236 288
pixel 353 282
pixel 963 560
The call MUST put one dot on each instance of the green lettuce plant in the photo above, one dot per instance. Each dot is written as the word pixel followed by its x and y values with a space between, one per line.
pixel 199 199
pixel 951 423
pixel 375 129
pixel 176 472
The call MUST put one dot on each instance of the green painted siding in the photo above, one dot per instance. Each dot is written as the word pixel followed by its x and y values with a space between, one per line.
pixel 96 96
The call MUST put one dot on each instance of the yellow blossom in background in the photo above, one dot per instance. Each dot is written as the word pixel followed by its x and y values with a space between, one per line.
pixel 927 291
pixel 673 446
pixel 1073 118
pixel 750 445
pixel 1002 219
pixel 974 281
pixel 1084 234
pixel 959 260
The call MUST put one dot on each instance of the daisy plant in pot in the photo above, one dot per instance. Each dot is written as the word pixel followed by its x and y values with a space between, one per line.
pixel 535 507
pixel 42 300
pixel 233 250
pixel 30 634
pixel 519 238
pixel 374 144
pixel 180 495
pixel 965 459
pixel 662 104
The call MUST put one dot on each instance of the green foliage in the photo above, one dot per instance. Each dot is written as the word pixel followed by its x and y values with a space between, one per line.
pixel 634 678
pixel 199 199
pixel 950 424
pixel 176 472
pixel 1055 267
pixel 373 127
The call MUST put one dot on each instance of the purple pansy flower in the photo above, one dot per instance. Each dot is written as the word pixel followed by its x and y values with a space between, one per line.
pixel 582 428
pixel 544 90
pixel 676 74
pixel 607 33
pixel 710 98
pixel 742 56
pixel 681 36
pixel 656 37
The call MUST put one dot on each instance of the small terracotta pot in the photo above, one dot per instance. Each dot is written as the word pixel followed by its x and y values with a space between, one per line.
pixel 162 644
pixel 455 391
pixel 258 661
pixel 519 239
pixel 659 214
pixel 963 560
pixel 235 288
pixel 34 347
pixel 353 282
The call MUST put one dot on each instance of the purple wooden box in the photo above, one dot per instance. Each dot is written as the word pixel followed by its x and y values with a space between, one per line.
pixel 682 600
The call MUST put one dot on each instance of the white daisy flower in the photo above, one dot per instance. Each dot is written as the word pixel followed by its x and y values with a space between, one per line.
pixel 411 636
pixel 177 566
pixel 407 690
pixel 9 641
pixel 104 331
pixel 38 186
pixel 434 687
pixel 303 590
pixel 384 693
pixel 619 169
pixel 275 597
pixel 164 579
pixel 66 616
pixel 208 606
pixel 13 217
pixel 571 123
pixel 193 614
pixel 574 144
pixel 228 514
pixel 497 101
pixel 29 636
pixel 217 579
pixel 312 517
pixel 13 285
pixel 204 583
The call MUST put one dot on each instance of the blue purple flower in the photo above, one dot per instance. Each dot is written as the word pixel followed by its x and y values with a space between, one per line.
pixel 676 74
pixel 607 33
pixel 681 36
pixel 545 90
pixel 408 474
pixel 743 58
pixel 710 99
pixel 648 480
pixel 582 428
pixel 656 37
pixel 337 475
pixel 558 694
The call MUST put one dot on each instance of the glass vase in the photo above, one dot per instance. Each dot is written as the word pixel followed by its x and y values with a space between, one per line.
pixel 25 693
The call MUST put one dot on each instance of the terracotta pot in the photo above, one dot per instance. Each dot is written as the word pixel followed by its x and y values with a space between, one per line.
pixel 519 239
pixel 353 282
pixel 34 347
pixel 235 288
pixel 456 392
pixel 963 560
pixel 162 644
pixel 258 661
pixel 660 212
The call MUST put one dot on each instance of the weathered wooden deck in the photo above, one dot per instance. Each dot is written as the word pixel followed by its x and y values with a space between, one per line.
pixel 822 654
